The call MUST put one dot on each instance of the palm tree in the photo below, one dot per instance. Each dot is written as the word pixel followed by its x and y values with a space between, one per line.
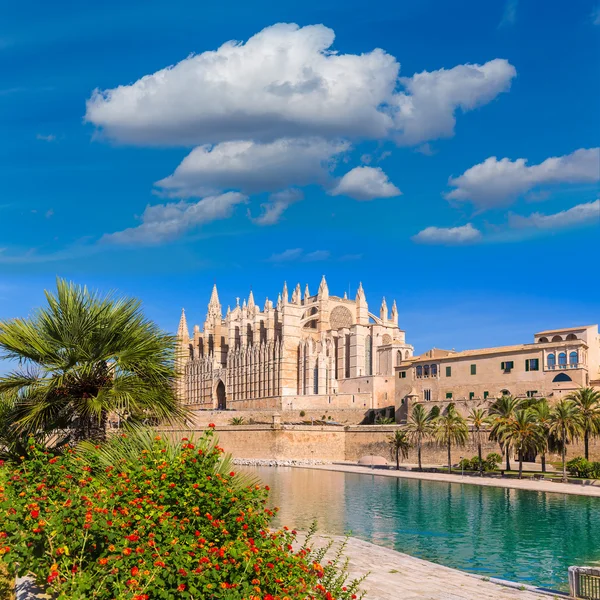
pixel 478 419
pixel 419 428
pixel 587 401
pixel 451 428
pixel 524 432
pixel 542 412
pixel 400 445
pixel 82 358
pixel 501 411
pixel 565 424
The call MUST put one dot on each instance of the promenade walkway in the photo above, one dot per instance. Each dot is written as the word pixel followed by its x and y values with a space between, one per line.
pixel 397 576
pixel 518 484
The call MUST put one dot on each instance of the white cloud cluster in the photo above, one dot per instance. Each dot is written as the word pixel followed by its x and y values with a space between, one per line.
pixel 496 183
pixel 365 183
pixel 276 111
pixel 285 81
pixel 253 167
pixel 466 234
pixel 166 222
pixel 582 214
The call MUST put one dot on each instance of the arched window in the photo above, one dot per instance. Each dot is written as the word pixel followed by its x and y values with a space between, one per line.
pixel 398 358
pixel 551 360
pixel 557 338
pixel 426 371
pixel 347 358
pixel 543 340
pixel 316 380
pixel 434 370
pixel 561 377
pixel 573 357
pixel 505 392
pixel 571 337
pixel 369 355
pixel 419 371
pixel 562 359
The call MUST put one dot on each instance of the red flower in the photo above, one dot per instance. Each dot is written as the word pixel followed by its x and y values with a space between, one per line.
pixel 53 575
pixel 212 425
pixel 232 474
pixel 134 571
pixel 53 460
pixel 132 538
pixel 35 514
pixel 181 587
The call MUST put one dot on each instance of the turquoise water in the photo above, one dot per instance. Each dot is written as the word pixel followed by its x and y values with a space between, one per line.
pixel 529 537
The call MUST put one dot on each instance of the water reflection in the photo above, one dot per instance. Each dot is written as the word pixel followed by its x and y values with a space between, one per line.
pixel 531 537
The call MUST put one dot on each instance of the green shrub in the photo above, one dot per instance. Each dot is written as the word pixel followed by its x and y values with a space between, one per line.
pixel 492 460
pixel 139 519
pixel 581 467
pixel 237 421
pixel 302 413
pixel 489 464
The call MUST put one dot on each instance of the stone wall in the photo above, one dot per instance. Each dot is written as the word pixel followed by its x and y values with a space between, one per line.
pixel 337 443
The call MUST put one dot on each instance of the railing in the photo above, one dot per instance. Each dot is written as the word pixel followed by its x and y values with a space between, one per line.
pixel 577 365
pixel 584 582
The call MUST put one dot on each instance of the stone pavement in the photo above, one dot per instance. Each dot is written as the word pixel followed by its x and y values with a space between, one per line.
pixel 397 576
pixel 518 484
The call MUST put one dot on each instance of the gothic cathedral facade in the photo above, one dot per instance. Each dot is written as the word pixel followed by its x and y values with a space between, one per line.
pixel 304 352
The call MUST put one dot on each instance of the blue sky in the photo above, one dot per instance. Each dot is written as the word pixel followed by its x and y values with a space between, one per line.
pixel 303 150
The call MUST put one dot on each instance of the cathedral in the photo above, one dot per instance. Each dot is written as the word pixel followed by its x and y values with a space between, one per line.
pixel 304 352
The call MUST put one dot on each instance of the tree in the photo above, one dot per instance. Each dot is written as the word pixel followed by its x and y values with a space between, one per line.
pixel 478 420
pixel 565 424
pixel 501 411
pixel 587 401
pixel 419 428
pixel 524 432
pixel 400 445
pixel 82 358
pixel 542 412
pixel 451 428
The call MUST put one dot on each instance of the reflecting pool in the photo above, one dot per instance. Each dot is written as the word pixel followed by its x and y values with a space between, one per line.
pixel 529 537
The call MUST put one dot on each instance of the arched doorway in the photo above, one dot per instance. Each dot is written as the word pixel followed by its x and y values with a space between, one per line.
pixel 221 396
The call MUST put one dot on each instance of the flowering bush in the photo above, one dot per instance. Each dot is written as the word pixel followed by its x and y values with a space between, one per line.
pixel 146 519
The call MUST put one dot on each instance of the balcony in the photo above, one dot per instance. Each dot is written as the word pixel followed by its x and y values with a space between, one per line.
pixel 578 365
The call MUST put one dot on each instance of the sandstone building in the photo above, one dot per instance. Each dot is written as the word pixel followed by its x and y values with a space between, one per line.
pixel 307 351
pixel 556 363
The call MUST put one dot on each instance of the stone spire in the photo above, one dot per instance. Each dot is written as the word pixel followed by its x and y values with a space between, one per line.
pixel 284 293
pixel 360 294
pixel 267 304
pixel 251 304
pixel 297 295
pixel 394 317
pixel 345 295
pixel 214 306
pixel 183 332
pixel 383 311
pixel 306 293
pixel 323 289
pixel 362 308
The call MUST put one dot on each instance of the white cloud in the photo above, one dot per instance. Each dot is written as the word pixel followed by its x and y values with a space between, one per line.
pixel 467 234
pixel 426 111
pixel 596 15
pixel 167 222
pixel 46 138
pixel 277 204
pixel 285 81
pixel 582 214
pixel 365 183
pixel 252 167
pixel 495 183
pixel 298 254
